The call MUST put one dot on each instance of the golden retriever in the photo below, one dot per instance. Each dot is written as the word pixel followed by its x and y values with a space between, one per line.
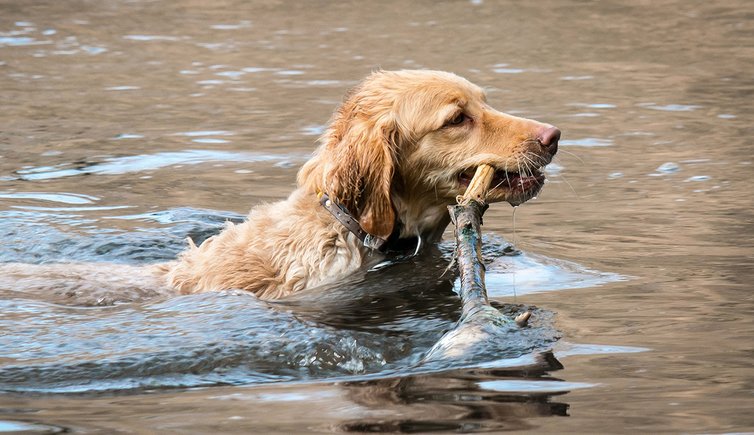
pixel 400 148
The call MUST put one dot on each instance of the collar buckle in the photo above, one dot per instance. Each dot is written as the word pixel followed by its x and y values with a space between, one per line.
pixel 345 218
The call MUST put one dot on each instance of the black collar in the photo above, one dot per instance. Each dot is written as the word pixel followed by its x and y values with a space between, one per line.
pixel 342 215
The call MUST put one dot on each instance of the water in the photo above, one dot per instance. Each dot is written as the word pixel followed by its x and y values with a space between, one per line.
pixel 128 126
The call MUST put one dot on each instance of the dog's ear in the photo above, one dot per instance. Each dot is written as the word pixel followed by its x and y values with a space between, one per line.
pixel 359 153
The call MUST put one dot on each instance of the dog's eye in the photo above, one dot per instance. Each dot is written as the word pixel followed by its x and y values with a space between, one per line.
pixel 457 120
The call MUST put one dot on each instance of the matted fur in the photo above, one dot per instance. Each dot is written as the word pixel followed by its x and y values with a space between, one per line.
pixel 392 155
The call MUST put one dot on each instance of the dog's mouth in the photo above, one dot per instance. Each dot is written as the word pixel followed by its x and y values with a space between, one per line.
pixel 513 187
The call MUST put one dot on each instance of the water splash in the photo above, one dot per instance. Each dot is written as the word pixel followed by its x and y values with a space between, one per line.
pixel 374 325
pixel 530 273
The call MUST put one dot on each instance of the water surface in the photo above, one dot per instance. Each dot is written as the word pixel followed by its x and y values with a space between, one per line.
pixel 128 126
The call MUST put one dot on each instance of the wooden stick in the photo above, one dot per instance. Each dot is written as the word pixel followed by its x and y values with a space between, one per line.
pixel 479 185
pixel 480 325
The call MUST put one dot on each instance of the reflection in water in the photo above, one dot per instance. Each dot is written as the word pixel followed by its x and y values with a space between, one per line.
pixel 466 400
pixel 461 400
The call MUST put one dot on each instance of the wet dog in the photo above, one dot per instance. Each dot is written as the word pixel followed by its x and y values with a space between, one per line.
pixel 398 150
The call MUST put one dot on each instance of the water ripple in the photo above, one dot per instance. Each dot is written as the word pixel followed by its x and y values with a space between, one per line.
pixel 65 198
pixel 543 386
pixel 587 142
pixel 150 162
pixel 19 41
pixel 241 25
pixel 671 107
pixel 204 133
pixel 150 38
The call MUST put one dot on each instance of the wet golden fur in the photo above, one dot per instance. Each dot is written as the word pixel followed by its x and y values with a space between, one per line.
pixel 392 155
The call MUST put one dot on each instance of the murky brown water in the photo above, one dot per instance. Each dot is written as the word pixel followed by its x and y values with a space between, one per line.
pixel 132 115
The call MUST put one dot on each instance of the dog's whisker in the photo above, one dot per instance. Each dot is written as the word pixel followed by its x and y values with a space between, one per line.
pixel 569 185
pixel 530 163
pixel 497 185
pixel 536 161
pixel 572 154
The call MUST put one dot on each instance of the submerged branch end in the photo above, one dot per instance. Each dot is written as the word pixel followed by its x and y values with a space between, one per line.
pixel 523 318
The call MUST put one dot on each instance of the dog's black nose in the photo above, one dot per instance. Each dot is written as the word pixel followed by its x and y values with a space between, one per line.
pixel 549 139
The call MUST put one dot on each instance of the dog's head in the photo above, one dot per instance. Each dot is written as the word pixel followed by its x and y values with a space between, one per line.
pixel 408 142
